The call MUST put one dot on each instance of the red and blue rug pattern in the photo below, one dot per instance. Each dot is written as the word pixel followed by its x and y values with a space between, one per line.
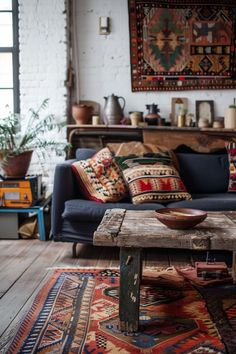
pixel 77 312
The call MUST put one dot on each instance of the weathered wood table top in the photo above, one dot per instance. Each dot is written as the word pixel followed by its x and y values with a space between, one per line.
pixel 133 230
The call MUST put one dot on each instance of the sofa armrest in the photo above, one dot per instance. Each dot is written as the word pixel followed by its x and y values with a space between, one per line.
pixel 64 188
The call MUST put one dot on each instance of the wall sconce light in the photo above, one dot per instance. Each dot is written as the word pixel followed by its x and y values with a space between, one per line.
pixel 104 25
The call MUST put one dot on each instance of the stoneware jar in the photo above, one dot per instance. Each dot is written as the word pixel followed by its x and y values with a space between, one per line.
pixel 230 117
pixel 135 117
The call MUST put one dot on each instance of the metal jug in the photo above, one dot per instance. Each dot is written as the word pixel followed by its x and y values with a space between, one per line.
pixel 113 111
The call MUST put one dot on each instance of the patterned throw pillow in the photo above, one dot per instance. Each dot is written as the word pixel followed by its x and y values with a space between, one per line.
pixel 231 150
pixel 152 179
pixel 99 177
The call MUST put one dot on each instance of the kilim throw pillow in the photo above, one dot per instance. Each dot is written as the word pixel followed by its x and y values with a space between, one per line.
pixel 231 150
pixel 99 178
pixel 152 179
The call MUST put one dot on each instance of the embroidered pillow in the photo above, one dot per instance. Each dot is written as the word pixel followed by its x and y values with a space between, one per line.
pixel 152 179
pixel 99 177
pixel 231 150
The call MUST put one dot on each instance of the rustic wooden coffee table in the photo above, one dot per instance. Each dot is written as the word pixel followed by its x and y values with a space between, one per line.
pixel 134 230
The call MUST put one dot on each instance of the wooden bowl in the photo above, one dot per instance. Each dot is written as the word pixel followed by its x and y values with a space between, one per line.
pixel 180 218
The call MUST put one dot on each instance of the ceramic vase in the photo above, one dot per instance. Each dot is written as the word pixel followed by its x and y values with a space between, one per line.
pixel 82 113
pixel 230 118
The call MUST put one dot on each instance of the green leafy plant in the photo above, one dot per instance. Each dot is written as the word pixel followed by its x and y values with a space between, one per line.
pixel 233 105
pixel 23 133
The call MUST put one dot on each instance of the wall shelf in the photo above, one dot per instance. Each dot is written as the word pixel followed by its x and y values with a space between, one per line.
pixel 199 139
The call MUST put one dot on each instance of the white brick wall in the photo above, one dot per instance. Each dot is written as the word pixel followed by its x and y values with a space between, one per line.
pixel 104 62
pixel 43 63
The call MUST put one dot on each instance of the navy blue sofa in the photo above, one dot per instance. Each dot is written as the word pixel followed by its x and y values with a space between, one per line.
pixel 75 219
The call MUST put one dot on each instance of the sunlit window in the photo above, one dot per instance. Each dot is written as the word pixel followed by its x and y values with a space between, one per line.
pixel 9 65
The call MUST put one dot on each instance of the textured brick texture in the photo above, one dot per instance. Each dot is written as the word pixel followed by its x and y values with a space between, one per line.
pixel 103 61
pixel 43 65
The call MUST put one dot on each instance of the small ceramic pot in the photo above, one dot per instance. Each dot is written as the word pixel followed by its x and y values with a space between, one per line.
pixel 81 113
pixel 152 119
pixel 95 120
pixel 135 118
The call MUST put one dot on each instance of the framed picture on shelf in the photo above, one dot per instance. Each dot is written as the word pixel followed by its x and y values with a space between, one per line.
pixel 177 104
pixel 204 113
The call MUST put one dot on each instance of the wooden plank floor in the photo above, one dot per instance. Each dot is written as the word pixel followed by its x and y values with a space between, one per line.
pixel 25 265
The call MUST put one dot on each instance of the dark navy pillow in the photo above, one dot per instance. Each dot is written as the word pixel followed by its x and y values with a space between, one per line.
pixel 204 173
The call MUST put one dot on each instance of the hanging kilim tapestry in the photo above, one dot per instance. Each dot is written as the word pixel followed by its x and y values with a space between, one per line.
pixel 182 45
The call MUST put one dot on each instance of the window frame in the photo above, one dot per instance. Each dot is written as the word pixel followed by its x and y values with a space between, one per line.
pixel 14 50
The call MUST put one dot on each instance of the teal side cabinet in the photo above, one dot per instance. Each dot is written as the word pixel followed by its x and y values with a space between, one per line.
pixel 36 209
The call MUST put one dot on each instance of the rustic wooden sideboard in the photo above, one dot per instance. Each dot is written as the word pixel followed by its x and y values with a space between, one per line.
pixel 199 139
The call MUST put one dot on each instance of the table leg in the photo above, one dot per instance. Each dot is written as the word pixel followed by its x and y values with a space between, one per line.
pixel 41 226
pixel 129 299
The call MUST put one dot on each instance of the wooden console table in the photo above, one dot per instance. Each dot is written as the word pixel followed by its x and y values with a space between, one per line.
pixel 132 230
pixel 202 140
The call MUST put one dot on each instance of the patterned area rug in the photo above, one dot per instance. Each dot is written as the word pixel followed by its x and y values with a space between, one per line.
pixel 77 312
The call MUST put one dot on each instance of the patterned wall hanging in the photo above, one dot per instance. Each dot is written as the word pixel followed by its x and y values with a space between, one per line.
pixel 182 45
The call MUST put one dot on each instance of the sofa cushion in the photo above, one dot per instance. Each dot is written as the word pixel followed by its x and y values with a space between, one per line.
pixel 208 202
pixel 204 173
pixel 78 231
pixel 99 178
pixel 152 178
pixel 84 153
pixel 231 150
pixel 91 211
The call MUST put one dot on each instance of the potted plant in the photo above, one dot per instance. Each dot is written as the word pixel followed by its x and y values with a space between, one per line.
pixel 20 136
